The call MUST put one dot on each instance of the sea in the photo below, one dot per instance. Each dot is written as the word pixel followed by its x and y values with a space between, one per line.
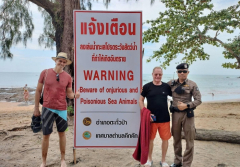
pixel 224 87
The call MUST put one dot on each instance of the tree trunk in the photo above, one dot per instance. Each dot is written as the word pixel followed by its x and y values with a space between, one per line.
pixel 238 61
pixel 67 41
pixel 64 34
pixel 217 135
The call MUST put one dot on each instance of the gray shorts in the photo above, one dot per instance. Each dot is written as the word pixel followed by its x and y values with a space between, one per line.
pixel 48 118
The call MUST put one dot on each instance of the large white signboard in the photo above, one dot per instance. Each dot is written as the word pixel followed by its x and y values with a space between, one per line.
pixel 108 54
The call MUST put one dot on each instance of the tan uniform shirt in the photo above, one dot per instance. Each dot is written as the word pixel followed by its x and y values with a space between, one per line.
pixel 191 90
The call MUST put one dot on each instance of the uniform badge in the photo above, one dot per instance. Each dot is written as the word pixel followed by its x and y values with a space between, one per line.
pixel 185 65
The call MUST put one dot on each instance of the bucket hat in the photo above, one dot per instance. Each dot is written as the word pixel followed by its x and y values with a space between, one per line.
pixel 62 55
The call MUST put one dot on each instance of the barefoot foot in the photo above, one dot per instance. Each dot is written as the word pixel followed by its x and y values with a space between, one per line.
pixel 43 165
pixel 63 163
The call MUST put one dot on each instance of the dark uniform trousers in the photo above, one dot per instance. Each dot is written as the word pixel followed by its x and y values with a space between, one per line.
pixel 181 121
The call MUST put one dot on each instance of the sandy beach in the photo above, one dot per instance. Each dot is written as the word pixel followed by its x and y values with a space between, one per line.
pixel 21 147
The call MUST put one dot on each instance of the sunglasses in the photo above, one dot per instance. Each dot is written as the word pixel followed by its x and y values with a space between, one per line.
pixel 184 71
pixel 158 74
pixel 57 77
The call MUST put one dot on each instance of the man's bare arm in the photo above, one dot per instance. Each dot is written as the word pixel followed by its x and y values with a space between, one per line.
pixel 37 98
pixel 141 102
pixel 71 95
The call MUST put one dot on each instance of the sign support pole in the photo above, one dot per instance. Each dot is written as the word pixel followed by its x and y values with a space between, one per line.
pixel 74 155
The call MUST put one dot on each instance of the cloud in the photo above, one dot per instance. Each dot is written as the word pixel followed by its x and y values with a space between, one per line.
pixel 28 61
pixel 149 11
pixel 222 4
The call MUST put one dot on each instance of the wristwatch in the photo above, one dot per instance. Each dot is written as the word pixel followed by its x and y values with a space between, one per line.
pixel 188 105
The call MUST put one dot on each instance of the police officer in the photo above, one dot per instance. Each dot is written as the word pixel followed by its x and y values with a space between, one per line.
pixel 182 110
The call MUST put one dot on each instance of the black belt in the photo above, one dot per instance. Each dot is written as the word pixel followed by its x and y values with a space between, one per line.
pixel 177 110
pixel 189 111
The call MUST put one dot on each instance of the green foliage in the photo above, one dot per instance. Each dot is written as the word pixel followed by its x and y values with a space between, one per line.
pixel 186 31
pixel 48 36
pixel 70 110
pixel 84 5
pixel 15 25
pixel 234 49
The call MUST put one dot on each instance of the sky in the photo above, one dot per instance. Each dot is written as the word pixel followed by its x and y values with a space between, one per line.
pixel 35 58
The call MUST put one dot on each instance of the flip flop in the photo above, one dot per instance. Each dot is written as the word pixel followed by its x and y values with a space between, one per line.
pixel 36 124
pixel 164 164
pixel 149 163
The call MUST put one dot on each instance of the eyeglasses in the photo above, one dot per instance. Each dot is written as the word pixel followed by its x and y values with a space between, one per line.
pixel 184 71
pixel 57 77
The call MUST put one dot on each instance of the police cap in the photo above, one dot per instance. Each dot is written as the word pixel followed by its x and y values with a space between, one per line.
pixel 182 66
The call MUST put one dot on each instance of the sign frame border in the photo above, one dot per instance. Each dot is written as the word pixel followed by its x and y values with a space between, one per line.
pixel 74 29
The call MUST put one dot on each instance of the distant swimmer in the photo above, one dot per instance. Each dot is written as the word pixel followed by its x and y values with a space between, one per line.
pixel 212 94
pixel 26 95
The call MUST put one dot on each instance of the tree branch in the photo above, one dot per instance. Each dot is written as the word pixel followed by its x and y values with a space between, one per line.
pixel 216 34
pixel 223 44
pixel 7 6
pixel 200 34
pixel 52 37
pixel 45 4
pixel 7 27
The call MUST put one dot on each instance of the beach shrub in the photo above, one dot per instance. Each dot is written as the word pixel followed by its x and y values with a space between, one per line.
pixel 70 110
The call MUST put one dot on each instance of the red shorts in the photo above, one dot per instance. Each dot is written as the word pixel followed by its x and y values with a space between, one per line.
pixel 163 130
